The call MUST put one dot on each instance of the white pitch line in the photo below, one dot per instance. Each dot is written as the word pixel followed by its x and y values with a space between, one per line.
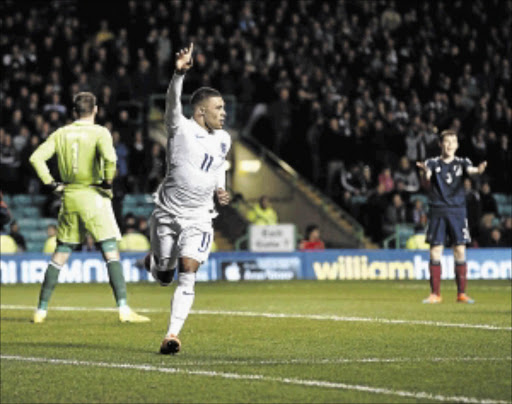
pixel 321 317
pixel 236 376
pixel 337 361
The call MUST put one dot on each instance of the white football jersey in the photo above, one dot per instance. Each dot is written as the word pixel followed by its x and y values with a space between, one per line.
pixel 195 166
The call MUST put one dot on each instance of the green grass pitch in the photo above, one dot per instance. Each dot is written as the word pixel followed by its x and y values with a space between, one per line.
pixel 261 342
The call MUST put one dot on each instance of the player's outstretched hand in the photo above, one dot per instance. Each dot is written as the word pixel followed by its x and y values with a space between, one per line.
pixel 222 196
pixel 481 167
pixel 423 167
pixel 184 59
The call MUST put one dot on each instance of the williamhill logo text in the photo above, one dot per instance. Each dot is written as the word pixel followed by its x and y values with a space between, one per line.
pixel 416 267
pixel 357 267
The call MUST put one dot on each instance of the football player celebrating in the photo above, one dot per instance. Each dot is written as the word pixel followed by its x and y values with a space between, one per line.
pixel 181 224
pixel 448 224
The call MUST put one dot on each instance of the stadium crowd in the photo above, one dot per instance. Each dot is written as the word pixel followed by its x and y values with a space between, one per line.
pixel 351 94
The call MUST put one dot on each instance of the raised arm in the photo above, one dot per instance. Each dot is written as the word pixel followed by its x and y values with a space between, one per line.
pixel 173 110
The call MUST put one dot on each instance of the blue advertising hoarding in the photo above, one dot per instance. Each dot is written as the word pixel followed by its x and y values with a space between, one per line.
pixel 247 266
pixel 488 263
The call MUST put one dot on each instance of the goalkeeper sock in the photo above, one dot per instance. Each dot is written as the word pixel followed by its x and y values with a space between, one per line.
pixel 435 277
pixel 182 301
pixel 461 270
pixel 51 277
pixel 117 283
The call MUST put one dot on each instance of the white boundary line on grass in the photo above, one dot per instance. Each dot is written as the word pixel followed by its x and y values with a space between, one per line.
pixel 337 361
pixel 236 376
pixel 281 315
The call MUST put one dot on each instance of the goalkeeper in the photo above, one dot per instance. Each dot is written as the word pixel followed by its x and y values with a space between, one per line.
pixel 87 164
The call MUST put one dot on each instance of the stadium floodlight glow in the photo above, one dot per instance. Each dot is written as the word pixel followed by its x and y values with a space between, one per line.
pixel 250 166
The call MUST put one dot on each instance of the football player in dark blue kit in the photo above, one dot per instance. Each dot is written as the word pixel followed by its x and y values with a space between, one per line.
pixel 448 224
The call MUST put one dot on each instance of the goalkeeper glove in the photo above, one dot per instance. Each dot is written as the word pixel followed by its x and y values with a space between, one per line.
pixel 56 187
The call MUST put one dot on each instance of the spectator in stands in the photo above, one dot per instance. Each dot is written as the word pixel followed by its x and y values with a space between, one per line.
pixel 281 117
pixel 395 214
pixel 473 207
pixel 9 164
pixel 418 211
pixel 262 213
pixel 494 239
pixel 375 70
pixel 507 231
pixel 7 243
pixel 156 168
pixel 51 242
pixel 132 239
pixel 386 179
pixel 408 175
pixel 17 236
pixel 137 163
pixel 353 180
pixel 30 181
pixel 488 202
pixel 418 240
pixel 143 226
pixel 374 211
pixel 123 155
pixel 88 245
pixel 312 239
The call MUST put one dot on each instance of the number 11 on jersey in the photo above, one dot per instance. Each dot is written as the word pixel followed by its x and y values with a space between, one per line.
pixel 207 162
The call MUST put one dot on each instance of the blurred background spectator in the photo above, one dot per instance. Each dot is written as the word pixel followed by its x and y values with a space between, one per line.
pixel 14 232
pixel 133 239
pixel 262 212
pixel 312 239
pixel 51 242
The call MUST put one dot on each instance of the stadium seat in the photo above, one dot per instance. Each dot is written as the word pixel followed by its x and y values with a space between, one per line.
pixel 500 198
pixel 359 199
pixel 21 200
pixel 35 246
pixel 38 199
pixel 7 199
pixel 403 231
pixel 505 209
pixel 421 197
pixel 36 235
pixel 27 211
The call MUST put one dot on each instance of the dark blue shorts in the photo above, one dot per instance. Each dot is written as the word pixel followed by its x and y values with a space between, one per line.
pixel 448 227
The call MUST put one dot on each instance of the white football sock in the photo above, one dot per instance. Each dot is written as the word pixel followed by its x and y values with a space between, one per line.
pixel 182 301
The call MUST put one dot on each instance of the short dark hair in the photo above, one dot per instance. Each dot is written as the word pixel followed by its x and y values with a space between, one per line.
pixel 310 229
pixel 202 94
pixel 84 103
pixel 447 132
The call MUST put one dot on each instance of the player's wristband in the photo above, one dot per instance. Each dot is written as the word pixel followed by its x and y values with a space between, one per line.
pixel 180 72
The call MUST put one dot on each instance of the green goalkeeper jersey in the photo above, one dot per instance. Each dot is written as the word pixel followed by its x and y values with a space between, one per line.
pixel 85 154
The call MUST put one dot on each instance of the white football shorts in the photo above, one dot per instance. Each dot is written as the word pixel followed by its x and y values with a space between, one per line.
pixel 173 237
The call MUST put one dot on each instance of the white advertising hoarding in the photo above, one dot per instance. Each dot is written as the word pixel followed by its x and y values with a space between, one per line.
pixel 272 238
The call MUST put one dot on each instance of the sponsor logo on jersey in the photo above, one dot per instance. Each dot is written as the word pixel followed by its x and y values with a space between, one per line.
pixel 223 147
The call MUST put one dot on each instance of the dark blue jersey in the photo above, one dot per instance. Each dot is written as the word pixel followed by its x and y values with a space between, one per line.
pixel 447 182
